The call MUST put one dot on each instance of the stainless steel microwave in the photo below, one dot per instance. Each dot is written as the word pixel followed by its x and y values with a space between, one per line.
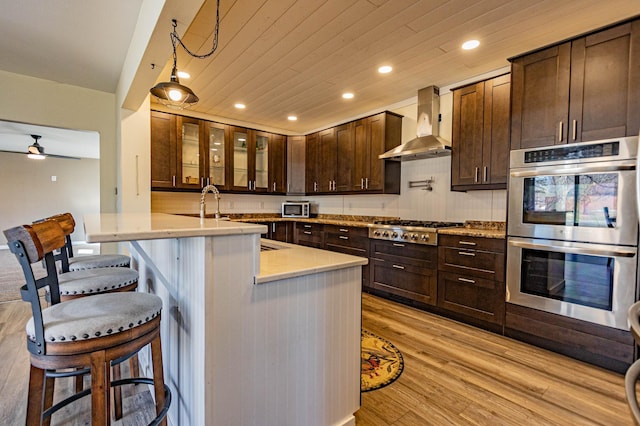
pixel 295 209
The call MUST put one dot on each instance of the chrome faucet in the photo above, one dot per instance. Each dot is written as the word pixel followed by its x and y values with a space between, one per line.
pixel 216 194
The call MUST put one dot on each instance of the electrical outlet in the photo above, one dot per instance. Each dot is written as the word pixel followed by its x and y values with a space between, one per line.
pixel 54 178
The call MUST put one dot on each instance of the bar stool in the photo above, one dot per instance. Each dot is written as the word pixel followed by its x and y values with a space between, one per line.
pixel 68 224
pixel 88 333
pixel 99 274
pixel 633 372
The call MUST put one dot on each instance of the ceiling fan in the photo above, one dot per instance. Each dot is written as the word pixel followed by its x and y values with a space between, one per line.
pixel 36 151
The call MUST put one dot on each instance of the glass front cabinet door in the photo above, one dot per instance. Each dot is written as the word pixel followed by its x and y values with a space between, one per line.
pixel 189 159
pixel 216 136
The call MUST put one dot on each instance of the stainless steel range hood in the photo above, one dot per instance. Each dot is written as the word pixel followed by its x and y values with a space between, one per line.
pixel 428 143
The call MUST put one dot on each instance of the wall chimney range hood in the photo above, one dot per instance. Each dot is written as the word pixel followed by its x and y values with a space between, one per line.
pixel 428 143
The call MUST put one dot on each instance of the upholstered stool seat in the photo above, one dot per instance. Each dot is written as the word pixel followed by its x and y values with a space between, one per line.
pixel 93 281
pixel 91 317
pixel 78 263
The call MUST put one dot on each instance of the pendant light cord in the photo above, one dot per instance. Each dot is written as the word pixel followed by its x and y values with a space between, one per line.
pixel 175 38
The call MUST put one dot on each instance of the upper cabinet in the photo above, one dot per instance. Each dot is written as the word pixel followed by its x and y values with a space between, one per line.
pixel 258 161
pixel 480 137
pixel 296 165
pixel 163 150
pixel 188 153
pixel 344 159
pixel 581 90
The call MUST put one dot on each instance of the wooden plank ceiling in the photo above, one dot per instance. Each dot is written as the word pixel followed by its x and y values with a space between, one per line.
pixel 283 57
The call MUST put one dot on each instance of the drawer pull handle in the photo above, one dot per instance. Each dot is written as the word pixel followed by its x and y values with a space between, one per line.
pixel 307 232
pixel 466 253
pixel 467 243
pixel 466 280
pixel 344 230
pixel 398 245
pixel 398 266
pixel 342 237
pixel 307 226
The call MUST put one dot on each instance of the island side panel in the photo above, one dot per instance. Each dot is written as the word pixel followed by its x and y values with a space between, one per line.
pixel 182 272
pixel 290 351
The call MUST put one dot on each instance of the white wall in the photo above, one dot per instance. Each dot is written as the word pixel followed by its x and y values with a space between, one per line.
pixel 29 193
pixel 43 102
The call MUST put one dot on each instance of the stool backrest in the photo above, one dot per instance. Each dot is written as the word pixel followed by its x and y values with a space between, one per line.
pixel 68 224
pixel 31 244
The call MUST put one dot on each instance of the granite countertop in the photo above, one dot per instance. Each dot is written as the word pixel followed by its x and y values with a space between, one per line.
pixel 115 227
pixel 326 219
pixel 282 260
pixel 471 228
pixel 475 228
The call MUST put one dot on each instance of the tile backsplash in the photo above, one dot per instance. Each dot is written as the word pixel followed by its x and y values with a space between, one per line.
pixel 413 203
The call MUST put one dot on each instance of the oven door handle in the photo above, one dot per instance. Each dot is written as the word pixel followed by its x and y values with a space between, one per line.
pixel 594 249
pixel 568 170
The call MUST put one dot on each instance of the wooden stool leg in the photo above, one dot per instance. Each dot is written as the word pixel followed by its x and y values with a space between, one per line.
pixel 117 393
pixel 79 380
pixel 134 367
pixel 100 386
pixel 48 398
pixel 35 396
pixel 158 375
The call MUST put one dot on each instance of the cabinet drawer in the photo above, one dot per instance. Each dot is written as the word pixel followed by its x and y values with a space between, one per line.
pixel 350 241
pixel 309 234
pixel 474 297
pixel 478 263
pixel 406 280
pixel 413 254
pixel 477 243
pixel 352 231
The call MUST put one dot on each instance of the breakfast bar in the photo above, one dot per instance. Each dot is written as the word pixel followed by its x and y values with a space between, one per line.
pixel 254 332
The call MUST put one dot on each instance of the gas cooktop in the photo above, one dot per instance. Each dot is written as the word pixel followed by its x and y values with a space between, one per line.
pixel 409 231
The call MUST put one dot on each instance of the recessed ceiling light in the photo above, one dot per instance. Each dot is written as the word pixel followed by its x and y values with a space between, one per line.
pixel 240 106
pixel 347 95
pixel 292 118
pixel 385 69
pixel 182 74
pixel 470 44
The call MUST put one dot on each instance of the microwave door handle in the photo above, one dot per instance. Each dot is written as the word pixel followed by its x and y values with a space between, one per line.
pixel 593 249
pixel 567 170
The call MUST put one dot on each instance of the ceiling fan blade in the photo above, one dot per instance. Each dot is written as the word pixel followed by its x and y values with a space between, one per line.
pixel 46 155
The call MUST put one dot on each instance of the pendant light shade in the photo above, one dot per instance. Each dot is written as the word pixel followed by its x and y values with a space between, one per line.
pixel 171 93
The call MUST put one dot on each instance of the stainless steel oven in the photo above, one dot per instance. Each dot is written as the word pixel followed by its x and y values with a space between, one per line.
pixel 573 230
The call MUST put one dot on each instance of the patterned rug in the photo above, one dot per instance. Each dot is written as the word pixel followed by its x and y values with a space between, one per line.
pixel 382 362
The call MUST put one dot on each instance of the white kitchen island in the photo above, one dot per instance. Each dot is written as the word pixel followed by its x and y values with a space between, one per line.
pixel 249 337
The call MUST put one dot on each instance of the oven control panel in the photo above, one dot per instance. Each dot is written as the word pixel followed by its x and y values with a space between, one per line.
pixel 413 235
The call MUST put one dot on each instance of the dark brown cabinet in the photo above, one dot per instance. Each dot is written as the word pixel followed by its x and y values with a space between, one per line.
pixel 187 153
pixel 163 150
pixel 258 161
pixel 295 165
pixel 471 277
pixel 279 231
pixel 581 90
pixel 373 136
pixel 344 159
pixel 309 234
pixel 480 138
pixel 405 270
pixel 349 240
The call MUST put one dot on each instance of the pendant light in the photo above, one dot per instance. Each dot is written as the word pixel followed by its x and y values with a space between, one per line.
pixel 171 93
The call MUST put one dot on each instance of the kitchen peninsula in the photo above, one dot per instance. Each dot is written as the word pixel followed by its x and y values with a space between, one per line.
pixel 252 334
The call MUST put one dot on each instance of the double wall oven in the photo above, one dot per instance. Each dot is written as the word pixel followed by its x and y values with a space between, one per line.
pixel 573 230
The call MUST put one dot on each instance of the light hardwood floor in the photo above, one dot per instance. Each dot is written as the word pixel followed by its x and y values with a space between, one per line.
pixel 454 374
